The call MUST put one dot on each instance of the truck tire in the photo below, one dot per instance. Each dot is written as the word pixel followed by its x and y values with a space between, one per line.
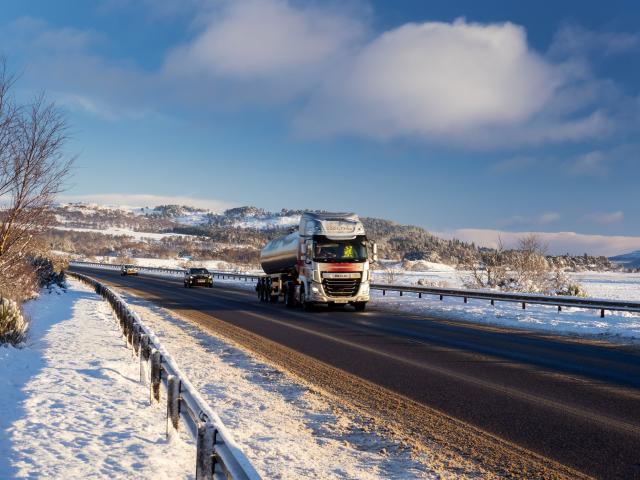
pixel 360 306
pixel 289 296
pixel 306 306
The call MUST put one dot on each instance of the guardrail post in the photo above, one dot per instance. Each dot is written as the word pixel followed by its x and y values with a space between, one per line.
pixel 384 292
pixel 602 313
pixel 465 300
pixel 130 329
pixel 156 375
pixel 204 452
pixel 493 302
pixel 419 294
pixel 441 297
pixel 524 306
pixel 559 308
pixel 173 400
pixel 400 292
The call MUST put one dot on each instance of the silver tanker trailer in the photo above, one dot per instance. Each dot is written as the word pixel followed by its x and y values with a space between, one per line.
pixel 327 260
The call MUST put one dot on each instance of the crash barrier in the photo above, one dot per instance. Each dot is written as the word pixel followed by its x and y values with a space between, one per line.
pixel 217 454
pixel 522 298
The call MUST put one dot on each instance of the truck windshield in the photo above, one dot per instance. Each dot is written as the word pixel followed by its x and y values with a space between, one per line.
pixel 344 251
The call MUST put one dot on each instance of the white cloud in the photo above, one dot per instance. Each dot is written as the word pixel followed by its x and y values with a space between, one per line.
pixel 273 42
pixel 605 218
pixel 147 200
pixel 434 79
pixel 577 40
pixel 519 220
pixel 559 242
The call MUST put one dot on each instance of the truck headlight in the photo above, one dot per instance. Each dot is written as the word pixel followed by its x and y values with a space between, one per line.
pixel 315 290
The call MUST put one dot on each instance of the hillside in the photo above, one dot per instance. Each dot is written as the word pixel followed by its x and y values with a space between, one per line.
pixel 627 260
pixel 237 234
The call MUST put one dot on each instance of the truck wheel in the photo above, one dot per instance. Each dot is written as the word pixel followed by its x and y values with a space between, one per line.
pixel 306 306
pixel 289 295
pixel 360 306
pixel 273 299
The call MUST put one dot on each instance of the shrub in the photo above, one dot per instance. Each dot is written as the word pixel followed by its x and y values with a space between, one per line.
pixel 13 326
pixel 49 270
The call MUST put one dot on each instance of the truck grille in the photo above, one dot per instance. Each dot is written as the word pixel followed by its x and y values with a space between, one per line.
pixel 341 287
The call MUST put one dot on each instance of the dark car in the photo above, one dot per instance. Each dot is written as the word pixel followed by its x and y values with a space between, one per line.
pixel 194 277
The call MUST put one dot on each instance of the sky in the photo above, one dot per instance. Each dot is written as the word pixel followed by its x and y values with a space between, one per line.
pixel 471 119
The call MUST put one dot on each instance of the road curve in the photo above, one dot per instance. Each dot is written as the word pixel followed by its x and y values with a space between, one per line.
pixel 520 404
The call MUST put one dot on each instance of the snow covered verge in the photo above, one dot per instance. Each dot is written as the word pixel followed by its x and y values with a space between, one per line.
pixel 619 327
pixel 71 405
pixel 287 429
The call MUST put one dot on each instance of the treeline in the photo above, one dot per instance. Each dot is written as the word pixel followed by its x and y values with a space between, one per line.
pixel 220 232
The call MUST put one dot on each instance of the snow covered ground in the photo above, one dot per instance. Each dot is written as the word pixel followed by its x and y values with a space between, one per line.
pixel 124 232
pixel 71 405
pixel 286 429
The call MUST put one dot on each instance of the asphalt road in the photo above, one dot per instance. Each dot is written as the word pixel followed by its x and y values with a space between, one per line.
pixel 573 402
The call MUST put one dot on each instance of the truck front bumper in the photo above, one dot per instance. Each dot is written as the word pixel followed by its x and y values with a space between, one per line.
pixel 317 295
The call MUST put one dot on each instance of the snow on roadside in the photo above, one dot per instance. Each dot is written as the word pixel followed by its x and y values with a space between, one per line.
pixel 284 428
pixel 71 405
pixel 616 326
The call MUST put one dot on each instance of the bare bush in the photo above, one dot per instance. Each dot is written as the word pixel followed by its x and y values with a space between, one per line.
pixel 489 270
pixel 391 273
pixel 125 260
pixel 13 326
pixel 525 269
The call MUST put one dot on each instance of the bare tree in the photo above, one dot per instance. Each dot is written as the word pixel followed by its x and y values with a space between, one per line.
pixel 33 170
pixel 489 270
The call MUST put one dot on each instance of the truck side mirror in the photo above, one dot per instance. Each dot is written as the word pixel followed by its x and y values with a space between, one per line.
pixel 374 249
pixel 309 252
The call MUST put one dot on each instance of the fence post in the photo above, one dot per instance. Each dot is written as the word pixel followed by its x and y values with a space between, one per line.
pixel 130 329
pixel 156 361
pixel 173 400
pixel 204 452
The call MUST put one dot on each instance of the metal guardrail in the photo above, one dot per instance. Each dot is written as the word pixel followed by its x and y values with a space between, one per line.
pixel 217 454
pixel 523 298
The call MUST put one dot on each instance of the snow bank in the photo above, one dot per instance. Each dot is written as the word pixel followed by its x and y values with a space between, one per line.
pixel 71 405
pixel 285 429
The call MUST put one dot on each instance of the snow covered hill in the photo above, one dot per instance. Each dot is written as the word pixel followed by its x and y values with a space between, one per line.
pixel 628 260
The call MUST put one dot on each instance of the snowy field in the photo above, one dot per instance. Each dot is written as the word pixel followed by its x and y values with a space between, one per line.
pixel 71 405
pixel 286 429
pixel 124 232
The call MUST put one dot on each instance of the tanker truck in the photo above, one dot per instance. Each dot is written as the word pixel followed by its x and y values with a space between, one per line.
pixel 326 260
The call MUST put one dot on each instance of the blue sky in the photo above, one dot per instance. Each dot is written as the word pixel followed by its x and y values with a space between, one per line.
pixel 468 118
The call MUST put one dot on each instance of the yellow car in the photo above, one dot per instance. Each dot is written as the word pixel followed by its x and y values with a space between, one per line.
pixel 129 270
